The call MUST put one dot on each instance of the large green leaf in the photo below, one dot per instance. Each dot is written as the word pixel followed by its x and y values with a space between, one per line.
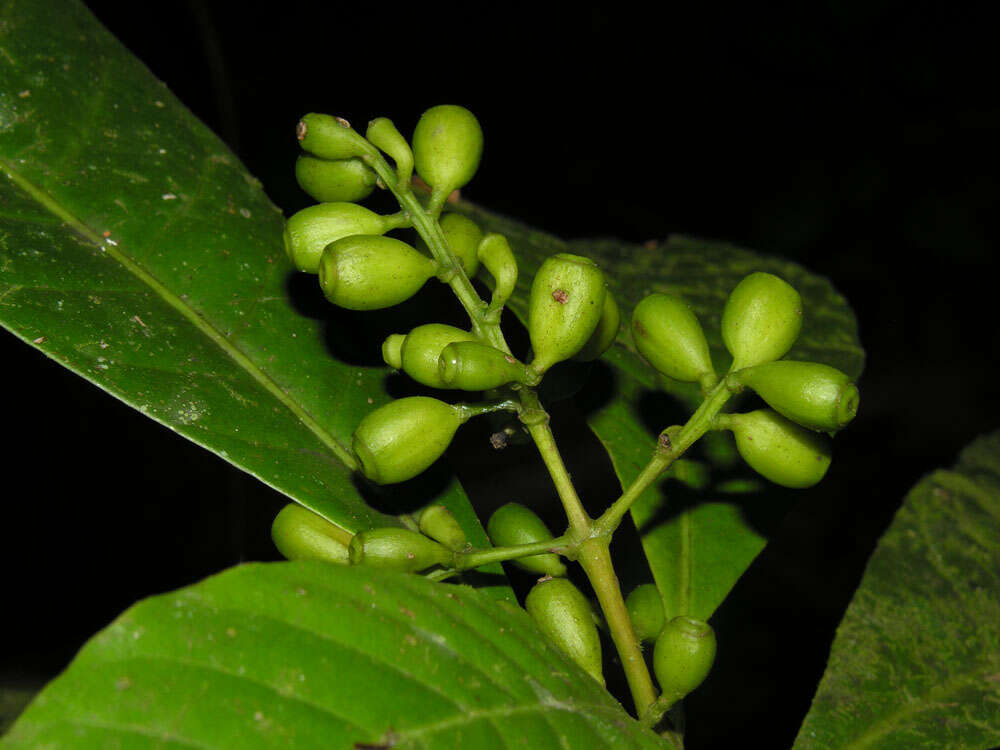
pixel 696 554
pixel 916 660
pixel 137 251
pixel 313 655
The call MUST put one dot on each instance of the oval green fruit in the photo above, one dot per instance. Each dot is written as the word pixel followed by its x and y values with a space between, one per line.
pixel 310 230
pixel 811 394
pixel 401 439
pixel 605 333
pixel 475 366
pixel 761 320
pixel 369 272
pixel 564 616
pixel 330 137
pixel 334 181
pixel 463 236
pixel 300 534
pixel 669 336
pixel 645 609
pixel 780 450
pixel 397 549
pixel 513 524
pixel 447 146
pixel 566 303
pixel 418 353
pixel 437 522
pixel 683 656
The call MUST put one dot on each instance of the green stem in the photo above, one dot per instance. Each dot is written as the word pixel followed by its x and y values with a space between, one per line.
pixel 477 558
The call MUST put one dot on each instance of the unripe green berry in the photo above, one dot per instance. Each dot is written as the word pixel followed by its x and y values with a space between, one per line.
pixel 397 549
pixel 418 353
pixel 329 181
pixel 330 137
pixel 645 609
pixel 513 524
pixel 780 450
pixel 564 616
pixel 475 366
pixel 813 395
pixel 382 133
pixel 683 656
pixel 447 146
pixel 667 333
pixel 566 303
pixel 463 236
pixel 401 439
pixel 437 522
pixel 606 332
pixel 495 253
pixel 369 272
pixel 761 320
pixel 310 230
pixel 300 534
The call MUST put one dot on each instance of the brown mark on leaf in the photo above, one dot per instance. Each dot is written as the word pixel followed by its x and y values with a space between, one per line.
pixel 498 440
pixel 407 612
pixel 560 296
pixel 300 130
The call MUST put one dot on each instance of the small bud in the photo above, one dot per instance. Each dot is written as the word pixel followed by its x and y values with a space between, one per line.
pixel 369 272
pixel 300 534
pixel 566 303
pixel 780 450
pixel 397 549
pixel 330 137
pixel 495 253
pixel 437 522
pixel 463 236
pixel 683 656
pixel 329 181
pixel 645 609
pixel 400 440
pixel 310 230
pixel 513 524
pixel 447 146
pixel 669 336
pixel 417 354
pixel 761 320
pixel 474 366
pixel 606 332
pixel 382 133
pixel 563 614
pixel 813 395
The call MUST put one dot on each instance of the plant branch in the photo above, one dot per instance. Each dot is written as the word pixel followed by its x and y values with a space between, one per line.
pixel 476 558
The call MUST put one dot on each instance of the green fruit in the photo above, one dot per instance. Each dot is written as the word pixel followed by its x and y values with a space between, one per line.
pixel 329 181
pixel 645 609
pixel 437 522
pixel 397 549
pixel 606 332
pixel 417 354
pixel 474 366
pixel 761 320
pixel 300 534
pixel 813 395
pixel 330 137
pixel 382 133
pixel 513 524
pixel 495 253
pixel 779 449
pixel 447 146
pixel 566 303
pixel 564 616
pixel 683 656
pixel 669 336
pixel 401 439
pixel 463 236
pixel 310 230
pixel 369 272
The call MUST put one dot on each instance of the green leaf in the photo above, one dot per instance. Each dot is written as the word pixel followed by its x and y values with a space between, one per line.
pixel 916 660
pixel 311 655
pixel 696 555
pixel 138 252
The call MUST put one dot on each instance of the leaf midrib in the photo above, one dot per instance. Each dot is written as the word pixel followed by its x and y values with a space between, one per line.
pixel 242 360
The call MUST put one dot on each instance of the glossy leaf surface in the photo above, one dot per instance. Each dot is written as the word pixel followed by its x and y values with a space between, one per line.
pixel 308 655
pixel 916 659
pixel 696 555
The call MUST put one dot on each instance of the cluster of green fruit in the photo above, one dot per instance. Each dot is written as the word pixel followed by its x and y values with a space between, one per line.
pixel 761 320
pixel 571 312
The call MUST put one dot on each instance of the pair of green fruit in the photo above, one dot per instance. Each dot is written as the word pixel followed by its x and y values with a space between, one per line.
pixel 761 320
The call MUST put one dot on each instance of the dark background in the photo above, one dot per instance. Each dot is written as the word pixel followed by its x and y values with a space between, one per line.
pixel 857 138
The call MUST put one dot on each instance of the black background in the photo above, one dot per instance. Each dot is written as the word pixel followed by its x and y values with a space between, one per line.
pixel 856 138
